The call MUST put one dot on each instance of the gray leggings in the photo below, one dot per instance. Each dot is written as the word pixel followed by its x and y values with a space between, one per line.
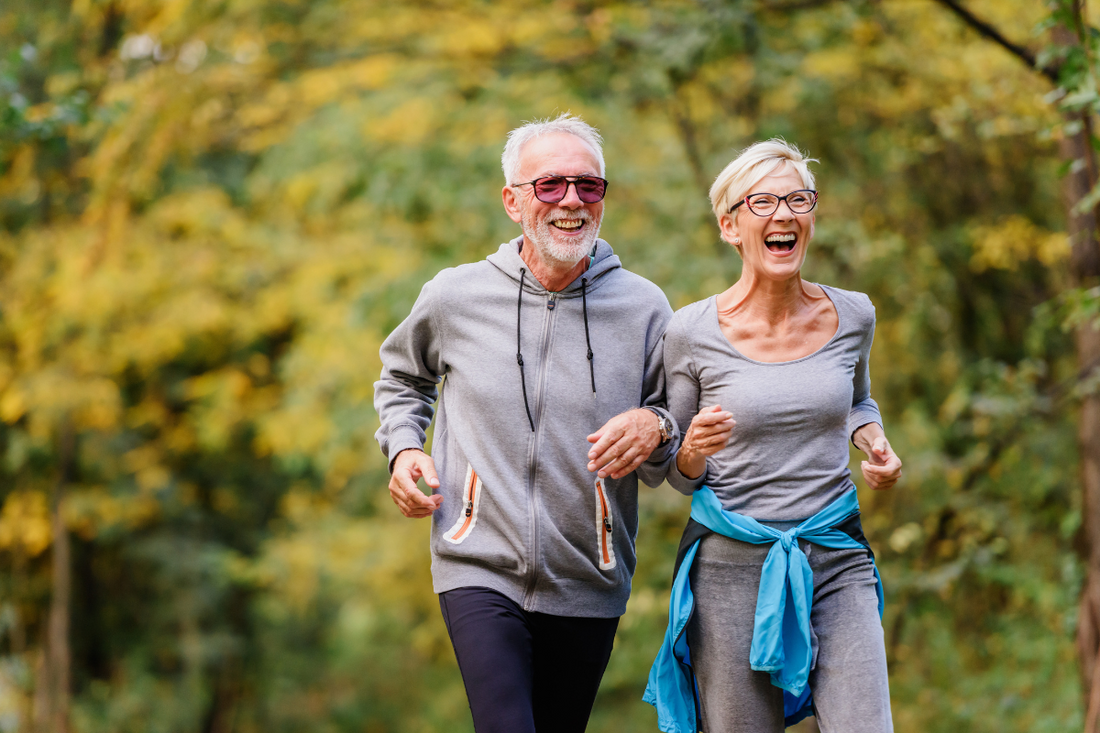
pixel 849 681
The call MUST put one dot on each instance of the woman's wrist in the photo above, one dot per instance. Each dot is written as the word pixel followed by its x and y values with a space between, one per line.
pixel 865 435
pixel 690 464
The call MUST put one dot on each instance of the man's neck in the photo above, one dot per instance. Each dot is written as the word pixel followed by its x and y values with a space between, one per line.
pixel 554 276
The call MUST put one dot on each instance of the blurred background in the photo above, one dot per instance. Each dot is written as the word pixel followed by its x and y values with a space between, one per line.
pixel 213 211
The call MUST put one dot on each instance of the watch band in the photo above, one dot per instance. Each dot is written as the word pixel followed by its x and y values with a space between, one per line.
pixel 664 425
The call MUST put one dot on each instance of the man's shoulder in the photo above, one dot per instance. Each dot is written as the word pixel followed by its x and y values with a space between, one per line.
pixel 641 288
pixel 461 275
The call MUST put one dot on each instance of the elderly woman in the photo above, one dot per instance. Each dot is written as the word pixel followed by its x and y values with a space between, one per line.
pixel 776 604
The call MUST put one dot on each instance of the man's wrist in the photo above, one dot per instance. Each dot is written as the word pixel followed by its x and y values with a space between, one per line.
pixel 393 461
pixel 663 425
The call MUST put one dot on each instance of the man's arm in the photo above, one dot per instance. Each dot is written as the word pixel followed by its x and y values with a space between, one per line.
pixel 412 367
pixel 624 443
pixel 632 441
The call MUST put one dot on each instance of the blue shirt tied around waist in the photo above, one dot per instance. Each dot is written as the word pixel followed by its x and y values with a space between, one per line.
pixel 781 632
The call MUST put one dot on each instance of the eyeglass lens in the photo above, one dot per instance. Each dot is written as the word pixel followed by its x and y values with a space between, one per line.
pixel 765 204
pixel 554 189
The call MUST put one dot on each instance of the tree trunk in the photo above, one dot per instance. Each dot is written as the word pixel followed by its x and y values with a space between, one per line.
pixel 1085 272
pixel 57 672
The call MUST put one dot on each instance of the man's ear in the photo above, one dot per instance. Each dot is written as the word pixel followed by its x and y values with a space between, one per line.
pixel 512 204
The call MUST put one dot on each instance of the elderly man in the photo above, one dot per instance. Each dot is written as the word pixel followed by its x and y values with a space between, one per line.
pixel 550 410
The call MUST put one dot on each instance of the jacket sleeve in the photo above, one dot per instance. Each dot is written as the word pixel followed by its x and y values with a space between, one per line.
pixel 653 470
pixel 412 368
pixel 864 409
pixel 682 384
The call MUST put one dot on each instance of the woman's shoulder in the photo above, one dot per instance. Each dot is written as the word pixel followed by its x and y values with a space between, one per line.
pixel 692 315
pixel 852 302
pixel 686 325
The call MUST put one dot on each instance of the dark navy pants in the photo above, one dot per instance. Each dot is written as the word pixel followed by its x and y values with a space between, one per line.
pixel 525 672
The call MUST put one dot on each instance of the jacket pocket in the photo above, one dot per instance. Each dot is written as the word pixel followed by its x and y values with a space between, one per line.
pixel 467 518
pixel 604 546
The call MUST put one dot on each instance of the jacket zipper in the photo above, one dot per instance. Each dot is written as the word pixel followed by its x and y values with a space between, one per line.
pixel 533 457
pixel 470 497
pixel 603 528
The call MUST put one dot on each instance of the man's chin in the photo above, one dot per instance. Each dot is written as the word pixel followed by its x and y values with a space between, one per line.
pixel 571 251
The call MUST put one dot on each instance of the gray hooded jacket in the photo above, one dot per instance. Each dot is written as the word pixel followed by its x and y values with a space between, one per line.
pixel 521 513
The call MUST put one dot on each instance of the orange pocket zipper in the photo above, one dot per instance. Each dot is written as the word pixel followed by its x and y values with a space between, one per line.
pixel 467 517
pixel 604 546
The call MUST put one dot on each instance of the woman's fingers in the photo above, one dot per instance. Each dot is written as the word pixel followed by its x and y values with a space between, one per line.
pixel 881 477
pixel 710 430
pixel 711 416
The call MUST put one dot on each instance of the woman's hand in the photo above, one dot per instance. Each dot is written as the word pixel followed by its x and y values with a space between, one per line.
pixel 882 469
pixel 709 433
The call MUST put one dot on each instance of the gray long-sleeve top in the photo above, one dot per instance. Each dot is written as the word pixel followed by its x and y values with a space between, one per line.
pixel 788 456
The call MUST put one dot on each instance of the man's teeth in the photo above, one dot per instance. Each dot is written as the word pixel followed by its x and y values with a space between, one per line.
pixel 568 224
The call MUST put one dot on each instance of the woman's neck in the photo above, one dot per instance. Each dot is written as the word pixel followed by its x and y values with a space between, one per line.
pixel 774 301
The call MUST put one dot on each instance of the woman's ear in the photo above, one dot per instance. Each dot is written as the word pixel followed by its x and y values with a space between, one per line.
pixel 728 225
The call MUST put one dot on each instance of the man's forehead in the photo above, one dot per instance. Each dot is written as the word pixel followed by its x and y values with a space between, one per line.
pixel 559 153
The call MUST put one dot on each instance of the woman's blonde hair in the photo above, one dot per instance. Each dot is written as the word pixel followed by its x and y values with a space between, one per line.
pixel 756 162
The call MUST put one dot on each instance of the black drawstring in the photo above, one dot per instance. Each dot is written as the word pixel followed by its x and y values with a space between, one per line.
pixel 519 342
pixel 587 340
pixel 519 349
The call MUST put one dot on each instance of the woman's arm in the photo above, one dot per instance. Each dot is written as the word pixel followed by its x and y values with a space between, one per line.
pixel 882 469
pixel 709 432
pixel 682 389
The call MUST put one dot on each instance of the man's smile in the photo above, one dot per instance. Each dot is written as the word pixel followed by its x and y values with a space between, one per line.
pixel 568 225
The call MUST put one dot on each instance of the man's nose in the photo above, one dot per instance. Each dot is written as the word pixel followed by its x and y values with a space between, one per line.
pixel 572 200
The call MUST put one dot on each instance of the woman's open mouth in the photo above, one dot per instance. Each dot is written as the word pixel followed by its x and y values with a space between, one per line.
pixel 781 243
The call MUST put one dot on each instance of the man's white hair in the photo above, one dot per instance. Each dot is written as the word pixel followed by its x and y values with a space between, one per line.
pixel 567 123
pixel 753 164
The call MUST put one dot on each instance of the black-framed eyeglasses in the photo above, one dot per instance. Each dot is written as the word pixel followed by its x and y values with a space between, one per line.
pixel 552 189
pixel 801 201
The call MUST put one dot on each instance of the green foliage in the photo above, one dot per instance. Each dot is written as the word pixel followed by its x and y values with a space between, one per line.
pixel 211 214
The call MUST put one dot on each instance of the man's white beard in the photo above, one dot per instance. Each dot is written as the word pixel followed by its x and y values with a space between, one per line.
pixel 556 247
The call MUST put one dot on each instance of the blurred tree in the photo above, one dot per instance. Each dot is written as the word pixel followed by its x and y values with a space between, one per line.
pixel 1069 63
pixel 212 213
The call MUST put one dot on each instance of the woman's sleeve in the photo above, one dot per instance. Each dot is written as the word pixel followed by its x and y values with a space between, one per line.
pixel 682 385
pixel 864 409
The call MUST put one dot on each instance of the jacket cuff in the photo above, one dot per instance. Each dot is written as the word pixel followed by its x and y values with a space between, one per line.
pixel 663 452
pixel 404 437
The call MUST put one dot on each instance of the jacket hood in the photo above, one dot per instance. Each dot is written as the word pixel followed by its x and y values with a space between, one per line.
pixel 507 260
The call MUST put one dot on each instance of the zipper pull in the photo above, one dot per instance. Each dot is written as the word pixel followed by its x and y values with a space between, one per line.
pixel 552 302
pixel 607 525
pixel 469 508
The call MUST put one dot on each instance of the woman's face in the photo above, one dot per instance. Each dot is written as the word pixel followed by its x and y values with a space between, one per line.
pixel 773 246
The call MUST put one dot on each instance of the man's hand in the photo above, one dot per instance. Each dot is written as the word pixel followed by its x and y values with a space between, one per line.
pixel 409 466
pixel 882 469
pixel 623 443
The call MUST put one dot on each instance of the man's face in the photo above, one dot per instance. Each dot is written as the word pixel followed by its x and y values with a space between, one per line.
pixel 564 232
